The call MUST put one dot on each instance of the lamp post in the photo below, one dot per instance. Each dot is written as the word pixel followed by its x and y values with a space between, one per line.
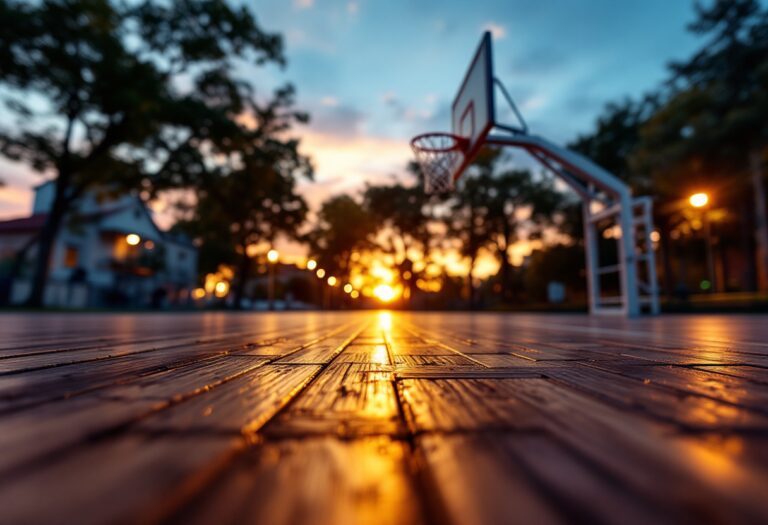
pixel 272 257
pixel 701 200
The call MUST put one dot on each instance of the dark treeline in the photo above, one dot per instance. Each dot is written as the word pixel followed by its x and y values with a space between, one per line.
pixel 144 97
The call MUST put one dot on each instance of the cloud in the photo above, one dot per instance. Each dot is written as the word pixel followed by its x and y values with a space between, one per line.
pixel 498 31
pixel 344 164
pixel 402 112
pixel 296 38
pixel 303 4
pixel 15 201
pixel 336 119
pixel 330 102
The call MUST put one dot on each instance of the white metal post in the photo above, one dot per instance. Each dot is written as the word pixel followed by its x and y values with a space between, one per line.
pixel 591 256
pixel 627 258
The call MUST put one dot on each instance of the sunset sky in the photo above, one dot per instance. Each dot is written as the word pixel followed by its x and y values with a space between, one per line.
pixel 374 73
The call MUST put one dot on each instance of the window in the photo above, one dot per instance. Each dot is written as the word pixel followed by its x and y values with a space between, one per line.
pixel 71 256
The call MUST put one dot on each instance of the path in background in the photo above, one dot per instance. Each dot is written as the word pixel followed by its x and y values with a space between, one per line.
pixel 377 417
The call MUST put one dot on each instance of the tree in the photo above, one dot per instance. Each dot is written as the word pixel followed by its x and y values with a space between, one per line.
pixel 343 227
pixel 402 217
pixel 119 93
pixel 515 201
pixel 615 138
pixel 493 207
pixel 250 192
pixel 711 125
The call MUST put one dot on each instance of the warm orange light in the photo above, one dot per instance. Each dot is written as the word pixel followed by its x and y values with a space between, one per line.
pixel 273 256
pixel 221 289
pixel 384 292
pixel 332 281
pixel 199 293
pixel 699 200
pixel 355 294
pixel 347 288
pixel 311 264
pixel 132 239
pixel 320 273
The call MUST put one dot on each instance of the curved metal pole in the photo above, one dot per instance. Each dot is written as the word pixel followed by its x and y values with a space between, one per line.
pixel 592 174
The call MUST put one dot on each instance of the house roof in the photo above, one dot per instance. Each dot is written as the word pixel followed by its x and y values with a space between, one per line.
pixel 23 224
pixel 35 222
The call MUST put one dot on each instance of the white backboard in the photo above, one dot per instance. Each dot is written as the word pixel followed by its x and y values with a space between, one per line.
pixel 473 111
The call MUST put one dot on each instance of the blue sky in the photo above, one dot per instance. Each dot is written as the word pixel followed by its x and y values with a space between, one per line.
pixel 372 73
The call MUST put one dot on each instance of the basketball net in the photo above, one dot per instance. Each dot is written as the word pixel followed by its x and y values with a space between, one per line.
pixel 438 155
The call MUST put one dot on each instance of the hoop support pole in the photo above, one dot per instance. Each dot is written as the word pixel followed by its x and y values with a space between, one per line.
pixel 582 174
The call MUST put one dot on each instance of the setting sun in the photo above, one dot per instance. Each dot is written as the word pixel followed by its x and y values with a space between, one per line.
pixel 384 292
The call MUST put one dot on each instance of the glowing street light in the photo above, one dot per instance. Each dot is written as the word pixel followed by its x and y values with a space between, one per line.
pixel 132 239
pixel 272 257
pixel 347 288
pixel 331 281
pixel 384 292
pixel 698 200
pixel 320 273
pixel 311 264
pixel 355 294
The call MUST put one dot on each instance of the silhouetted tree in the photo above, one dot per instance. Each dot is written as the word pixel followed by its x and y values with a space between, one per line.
pixel 711 127
pixel 402 216
pixel 250 197
pixel 343 227
pixel 119 92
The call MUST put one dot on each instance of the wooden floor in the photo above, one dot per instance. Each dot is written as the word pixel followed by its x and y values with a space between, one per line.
pixel 376 417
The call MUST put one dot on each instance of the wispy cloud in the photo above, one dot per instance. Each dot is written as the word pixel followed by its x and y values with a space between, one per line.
pixel 345 164
pixel 497 30
pixel 303 4
pixel 330 102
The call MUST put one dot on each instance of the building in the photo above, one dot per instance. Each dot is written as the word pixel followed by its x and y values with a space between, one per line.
pixel 109 252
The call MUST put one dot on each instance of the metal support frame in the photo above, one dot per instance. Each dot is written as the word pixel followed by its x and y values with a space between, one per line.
pixel 600 189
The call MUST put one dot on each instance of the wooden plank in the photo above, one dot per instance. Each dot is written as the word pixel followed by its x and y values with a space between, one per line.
pixel 640 453
pixel 750 373
pixel 524 478
pixel 465 372
pixel 364 354
pixel 453 360
pixel 508 361
pixel 39 433
pixel 472 487
pixel 689 411
pixel 118 480
pixel 700 381
pixel 242 405
pixel 346 400
pixel 318 481
pixel 451 405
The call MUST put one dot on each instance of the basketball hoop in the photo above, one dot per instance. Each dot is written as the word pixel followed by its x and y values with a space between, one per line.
pixel 438 155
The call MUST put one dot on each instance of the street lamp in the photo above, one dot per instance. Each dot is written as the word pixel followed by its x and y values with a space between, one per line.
pixel 311 264
pixel 132 239
pixel 320 273
pixel 701 200
pixel 331 281
pixel 272 257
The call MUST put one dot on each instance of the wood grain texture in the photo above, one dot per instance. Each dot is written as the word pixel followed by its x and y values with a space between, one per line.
pixel 382 417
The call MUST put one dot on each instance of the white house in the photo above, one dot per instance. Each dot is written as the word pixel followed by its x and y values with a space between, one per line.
pixel 109 252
